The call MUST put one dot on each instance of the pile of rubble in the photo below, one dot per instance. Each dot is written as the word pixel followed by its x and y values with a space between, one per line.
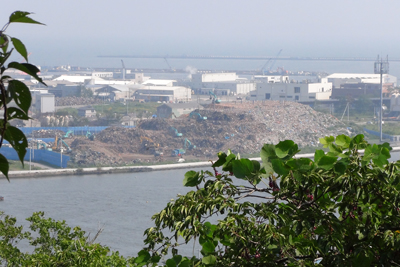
pixel 77 101
pixel 243 128
pixel 94 158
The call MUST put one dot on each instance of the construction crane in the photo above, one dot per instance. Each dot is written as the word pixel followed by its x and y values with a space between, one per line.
pixel 275 59
pixel 90 136
pixel 188 145
pixel 59 145
pixel 148 142
pixel 175 131
pixel 166 61
pixel 196 114
pixel 264 67
pixel 123 70
pixel 54 147
pixel 178 152
pixel 214 98
pixel 69 134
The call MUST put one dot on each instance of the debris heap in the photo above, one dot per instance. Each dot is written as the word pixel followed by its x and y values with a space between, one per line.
pixel 243 128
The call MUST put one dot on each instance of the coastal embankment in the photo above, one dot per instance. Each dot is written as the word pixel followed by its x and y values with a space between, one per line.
pixel 135 169
pixel 106 170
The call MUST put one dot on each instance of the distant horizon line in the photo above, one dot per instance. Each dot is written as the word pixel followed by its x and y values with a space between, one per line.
pixel 249 57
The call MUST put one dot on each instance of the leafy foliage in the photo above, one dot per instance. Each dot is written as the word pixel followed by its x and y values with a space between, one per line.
pixel 54 244
pixel 340 209
pixel 14 90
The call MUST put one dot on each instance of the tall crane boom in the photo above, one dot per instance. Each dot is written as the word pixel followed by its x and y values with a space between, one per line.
pixel 277 56
pixel 123 70
pixel 166 61
pixel 264 67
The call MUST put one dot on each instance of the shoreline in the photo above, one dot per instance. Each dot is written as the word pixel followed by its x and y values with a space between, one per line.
pixel 105 170
pixel 133 169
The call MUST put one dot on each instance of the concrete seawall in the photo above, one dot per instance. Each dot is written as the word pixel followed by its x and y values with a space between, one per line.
pixel 104 170
pixel 127 169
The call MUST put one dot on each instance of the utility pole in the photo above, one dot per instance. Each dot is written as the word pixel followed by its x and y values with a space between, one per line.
pixel 381 67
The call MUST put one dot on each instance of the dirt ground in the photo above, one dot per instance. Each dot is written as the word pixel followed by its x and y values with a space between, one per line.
pixel 243 128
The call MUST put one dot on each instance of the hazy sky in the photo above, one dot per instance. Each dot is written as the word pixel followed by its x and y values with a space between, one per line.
pixel 87 28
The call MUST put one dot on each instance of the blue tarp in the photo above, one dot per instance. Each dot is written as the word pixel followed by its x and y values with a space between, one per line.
pixel 37 155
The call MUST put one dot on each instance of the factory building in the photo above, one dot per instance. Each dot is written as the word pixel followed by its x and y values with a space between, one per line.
pixel 63 88
pixel 302 92
pixel 271 78
pixel 221 84
pixel 356 85
pixel 45 103
pixel 338 79
pixel 102 74
pixel 163 93
pixel 157 82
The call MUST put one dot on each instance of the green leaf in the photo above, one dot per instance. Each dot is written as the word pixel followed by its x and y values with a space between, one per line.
pixel 221 160
pixel 318 155
pixel 343 141
pixel 20 47
pixel 380 161
pixel 227 166
pixel 177 259
pixel 326 140
pixel 192 178
pixel 17 140
pixel 170 263
pixel 340 167
pixel 22 17
pixel 301 164
pixel 185 263
pixel 208 247
pixel 21 94
pixel 282 149
pixel 15 113
pixel 4 43
pixel 327 162
pixel 4 167
pixel 28 69
pixel 209 260
pixel 267 152
pixel 143 256
pixel 335 150
pixel 279 167
pixel 242 168
pixel 256 165
pixel 357 141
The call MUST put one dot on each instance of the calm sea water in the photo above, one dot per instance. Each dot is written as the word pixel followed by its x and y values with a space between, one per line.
pixel 122 204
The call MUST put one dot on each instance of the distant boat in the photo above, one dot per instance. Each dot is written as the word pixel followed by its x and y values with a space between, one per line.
pixel 1 198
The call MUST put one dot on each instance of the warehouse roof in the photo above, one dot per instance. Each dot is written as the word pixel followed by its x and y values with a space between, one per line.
pixel 353 76
pixel 158 82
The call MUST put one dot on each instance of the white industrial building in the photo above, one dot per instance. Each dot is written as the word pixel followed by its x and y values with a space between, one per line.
pixel 221 84
pixel 337 79
pixel 163 93
pixel 395 102
pixel 73 78
pixel 102 74
pixel 45 103
pixel 240 87
pixel 157 82
pixel 302 92
pixel 271 78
